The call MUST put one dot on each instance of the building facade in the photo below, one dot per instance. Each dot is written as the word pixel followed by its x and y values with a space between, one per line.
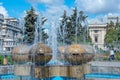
pixel 9 30
pixel 97 33
pixel 97 30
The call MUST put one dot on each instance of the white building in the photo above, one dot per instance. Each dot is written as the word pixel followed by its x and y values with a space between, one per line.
pixel 97 30
pixel 1 23
pixel 97 33
pixel 9 29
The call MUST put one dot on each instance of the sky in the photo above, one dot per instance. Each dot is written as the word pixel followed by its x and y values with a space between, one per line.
pixel 51 9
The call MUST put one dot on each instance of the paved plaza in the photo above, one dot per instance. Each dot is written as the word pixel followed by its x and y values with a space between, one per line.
pixel 105 63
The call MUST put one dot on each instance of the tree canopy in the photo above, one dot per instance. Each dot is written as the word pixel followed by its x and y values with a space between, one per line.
pixel 30 25
pixel 30 20
pixel 73 28
pixel 112 34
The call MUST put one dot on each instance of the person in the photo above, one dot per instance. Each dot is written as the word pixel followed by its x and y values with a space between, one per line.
pixel 112 55
pixel 5 61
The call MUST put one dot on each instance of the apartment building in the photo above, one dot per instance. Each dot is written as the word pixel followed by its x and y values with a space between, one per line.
pixel 9 30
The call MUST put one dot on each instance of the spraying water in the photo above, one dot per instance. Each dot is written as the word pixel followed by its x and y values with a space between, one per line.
pixel 38 26
pixel 53 44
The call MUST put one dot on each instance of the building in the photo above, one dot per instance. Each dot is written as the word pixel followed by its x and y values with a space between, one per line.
pixel 114 19
pixel 9 29
pixel 97 33
pixel 97 30
pixel 1 23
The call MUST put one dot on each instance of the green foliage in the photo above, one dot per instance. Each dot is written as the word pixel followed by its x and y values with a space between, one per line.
pixel 30 20
pixel 10 61
pixel 73 28
pixel 112 34
pixel 1 59
pixel 44 35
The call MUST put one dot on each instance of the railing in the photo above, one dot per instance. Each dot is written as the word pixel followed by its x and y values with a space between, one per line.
pixel 105 67
pixel 7 69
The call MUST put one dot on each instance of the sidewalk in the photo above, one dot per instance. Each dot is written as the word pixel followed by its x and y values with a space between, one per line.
pixel 105 63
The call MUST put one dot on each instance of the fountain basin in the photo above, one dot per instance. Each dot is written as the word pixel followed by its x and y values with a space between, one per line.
pixel 20 53
pixel 22 70
pixel 76 54
pixel 76 71
pixel 40 54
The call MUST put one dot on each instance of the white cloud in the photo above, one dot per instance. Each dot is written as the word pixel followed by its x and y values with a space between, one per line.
pixel 47 2
pixel 102 18
pixel 52 2
pixel 95 21
pixel 54 8
pixel 3 10
pixel 57 10
pixel 100 9
pixel 99 6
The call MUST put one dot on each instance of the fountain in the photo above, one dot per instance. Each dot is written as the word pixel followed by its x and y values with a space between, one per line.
pixel 76 54
pixel 40 54
pixel 20 57
pixel 20 53
pixel 43 59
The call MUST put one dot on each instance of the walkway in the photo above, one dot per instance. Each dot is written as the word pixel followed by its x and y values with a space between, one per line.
pixel 105 63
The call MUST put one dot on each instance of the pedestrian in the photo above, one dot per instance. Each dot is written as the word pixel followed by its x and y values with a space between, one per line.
pixel 112 55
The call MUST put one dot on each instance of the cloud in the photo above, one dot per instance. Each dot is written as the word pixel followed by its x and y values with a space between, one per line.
pixel 47 2
pixel 57 10
pixel 3 11
pixel 53 8
pixel 99 6
pixel 102 18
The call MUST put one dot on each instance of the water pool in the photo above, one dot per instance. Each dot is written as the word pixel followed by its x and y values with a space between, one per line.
pixel 91 75
pixel 101 75
pixel 13 77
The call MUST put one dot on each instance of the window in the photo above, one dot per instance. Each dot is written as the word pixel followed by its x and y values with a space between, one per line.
pixel 7 48
pixel 95 31
pixel 96 39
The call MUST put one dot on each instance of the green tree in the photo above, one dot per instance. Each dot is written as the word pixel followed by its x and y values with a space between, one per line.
pixel 30 24
pixel 1 59
pixel 79 27
pixel 30 20
pixel 72 26
pixel 62 30
pixel 111 34
pixel 118 30
pixel 42 35
pixel 82 27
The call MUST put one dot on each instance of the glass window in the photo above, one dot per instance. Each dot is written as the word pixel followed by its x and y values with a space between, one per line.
pixel 96 39
pixel 96 31
pixel 8 48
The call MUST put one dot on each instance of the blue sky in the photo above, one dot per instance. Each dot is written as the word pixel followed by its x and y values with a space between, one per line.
pixel 16 8
pixel 55 8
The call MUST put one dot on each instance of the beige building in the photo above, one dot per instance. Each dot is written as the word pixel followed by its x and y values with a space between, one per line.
pixel 97 32
pixel 9 29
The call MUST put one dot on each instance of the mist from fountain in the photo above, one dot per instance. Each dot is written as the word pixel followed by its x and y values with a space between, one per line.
pixel 38 26
pixel 22 26
pixel 81 24
pixel 36 48
pixel 54 45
